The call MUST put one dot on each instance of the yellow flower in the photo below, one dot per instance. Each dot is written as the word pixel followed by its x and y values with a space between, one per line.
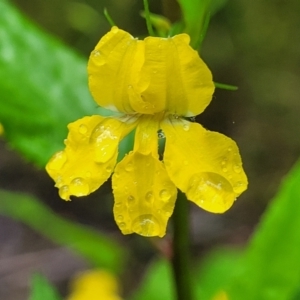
pixel 94 285
pixel 155 84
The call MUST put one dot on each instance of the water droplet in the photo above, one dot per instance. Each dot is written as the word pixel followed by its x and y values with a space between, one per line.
pixel 114 29
pixel 154 71
pixel 160 134
pixel 105 143
pixel 98 58
pixel 165 195
pixel 79 187
pixel 146 225
pixel 186 127
pixel 82 129
pixel 120 218
pixel 122 225
pixel 239 187
pixel 224 170
pixel 57 161
pixel 211 189
pixel 64 192
pixel 229 149
pixel 118 204
pixel 129 167
pixel 149 197
pixel 130 200
pixel 224 162
pixel 237 168
pixel 185 162
pixel 108 169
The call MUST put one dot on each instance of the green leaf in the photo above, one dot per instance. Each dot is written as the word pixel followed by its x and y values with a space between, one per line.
pixel 157 284
pixel 196 15
pixel 215 271
pixel 271 266
pixel 93 246
pixel 41 289
pixel 43 87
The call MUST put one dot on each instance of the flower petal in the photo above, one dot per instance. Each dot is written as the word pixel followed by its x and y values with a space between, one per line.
pixel 113 70
pixel 203 164
pixel 89 157
pixel 174 78
pixel 144 195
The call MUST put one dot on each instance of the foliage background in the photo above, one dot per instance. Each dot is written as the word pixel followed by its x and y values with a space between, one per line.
pixel 252 45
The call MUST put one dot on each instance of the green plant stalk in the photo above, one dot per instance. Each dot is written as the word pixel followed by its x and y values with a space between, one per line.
pixel 148 18
pixel 181 253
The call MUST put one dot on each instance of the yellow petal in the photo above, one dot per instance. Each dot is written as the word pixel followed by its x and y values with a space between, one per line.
pixel 94 285
pixel 113 70
pixel 144 195
pixel 203 164
pixel 174 78
pixel 89 157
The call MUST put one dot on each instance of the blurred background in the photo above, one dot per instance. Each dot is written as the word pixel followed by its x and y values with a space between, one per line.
pixel 251 44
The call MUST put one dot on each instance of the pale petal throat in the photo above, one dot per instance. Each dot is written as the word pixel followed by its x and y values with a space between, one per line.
pixel 155 83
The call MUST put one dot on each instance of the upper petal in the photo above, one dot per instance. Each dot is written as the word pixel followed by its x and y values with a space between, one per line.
pixel 89 157
pixel 113 69
pixel 174 77
pixel 203 164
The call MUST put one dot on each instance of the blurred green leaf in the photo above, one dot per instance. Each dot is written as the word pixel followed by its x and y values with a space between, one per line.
pixel 43 87
pixel 99 250
pixel 215 271
pixel 41 289
pixel 196 15
pixel 271 266
pixel 157 284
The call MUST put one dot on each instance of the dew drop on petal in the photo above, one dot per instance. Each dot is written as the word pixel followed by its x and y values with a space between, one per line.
pixel 64 192
pixel 186 127
pixel 146 225
pixel 210 188
pixel 165 195
pixel 130 200
pixel 239 187
pixel 57 161
pixel 82 129
pixel 185 162
pixel 115 29
pixel 129 167
pixel 122 225
pixel 224 170
pixel 229 149
pixel 149 197
pixel 120 218
pixel 237 168
pixel 79 187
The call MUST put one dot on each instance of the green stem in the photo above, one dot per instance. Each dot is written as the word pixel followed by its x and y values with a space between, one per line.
pixel 148 20
pixel 181 254
pixel 225 86
pixel 108 18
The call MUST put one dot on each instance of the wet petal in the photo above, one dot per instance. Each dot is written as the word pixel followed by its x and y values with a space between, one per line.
pixel 203 164
pixel 113 68
pixel 144 195
pixel 89 157
pixel 174 78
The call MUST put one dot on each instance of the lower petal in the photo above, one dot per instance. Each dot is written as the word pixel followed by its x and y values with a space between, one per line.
pixel 89 157
pixel 144 195
pixel 205 165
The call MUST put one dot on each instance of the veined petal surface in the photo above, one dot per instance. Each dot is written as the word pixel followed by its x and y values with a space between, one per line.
pixel 89 157
pixel 203 164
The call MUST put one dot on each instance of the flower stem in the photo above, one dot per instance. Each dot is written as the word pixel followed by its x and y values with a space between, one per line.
pixel 181 254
